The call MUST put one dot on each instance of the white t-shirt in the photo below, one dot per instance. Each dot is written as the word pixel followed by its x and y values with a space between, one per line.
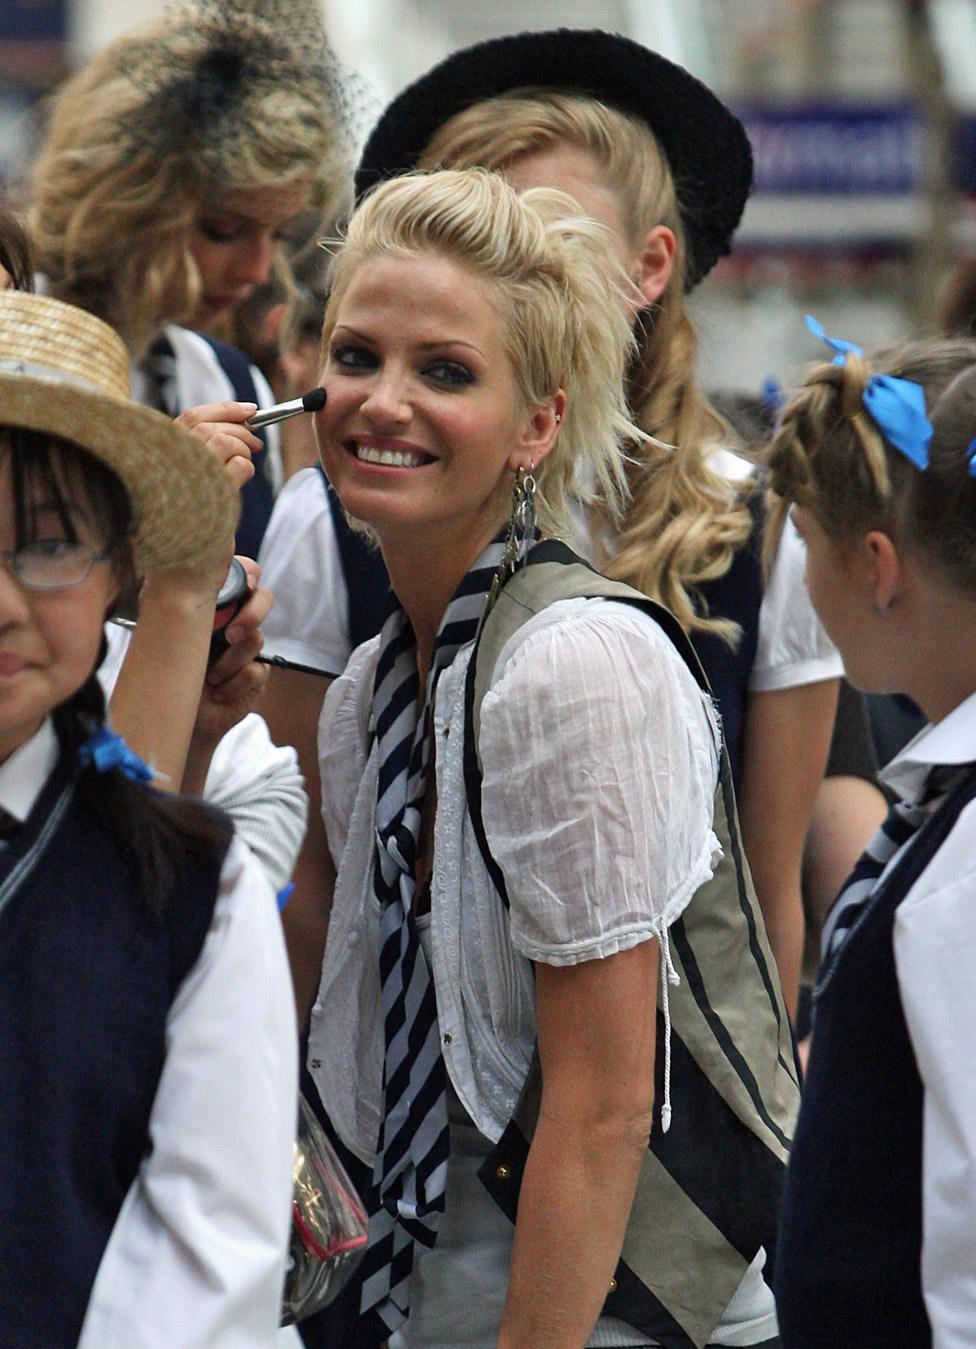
pixel 310 621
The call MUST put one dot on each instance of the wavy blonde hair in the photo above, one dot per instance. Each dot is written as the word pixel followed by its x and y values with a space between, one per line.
pixel 685 522
pixel 113 210
pixel 830 457
pixel 547 270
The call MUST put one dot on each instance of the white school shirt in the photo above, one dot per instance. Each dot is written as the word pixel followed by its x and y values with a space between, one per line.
pixel 935 960
pixel 310 620
pixel 600 760
pixel 199 378
pixel 257 782
pixel 196 1258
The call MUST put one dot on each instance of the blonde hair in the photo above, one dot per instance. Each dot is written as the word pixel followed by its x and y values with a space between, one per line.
pixel 830 457
pixel 685 522
pixel 116 191
pixel 546 269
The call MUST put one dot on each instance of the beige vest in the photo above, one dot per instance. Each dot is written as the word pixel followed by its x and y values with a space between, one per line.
pixel 708 1192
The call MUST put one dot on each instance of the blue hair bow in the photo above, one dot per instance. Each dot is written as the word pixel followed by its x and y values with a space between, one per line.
pixel 896 406
pixel 108 752
pixel 971 456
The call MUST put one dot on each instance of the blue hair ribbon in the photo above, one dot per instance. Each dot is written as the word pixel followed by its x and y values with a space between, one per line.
pixel 896 406
pixel 108 752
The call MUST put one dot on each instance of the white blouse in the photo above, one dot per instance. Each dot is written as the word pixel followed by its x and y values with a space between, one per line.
pixel 600 759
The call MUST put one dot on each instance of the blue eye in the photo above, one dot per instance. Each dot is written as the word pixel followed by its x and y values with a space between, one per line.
pixel 449 372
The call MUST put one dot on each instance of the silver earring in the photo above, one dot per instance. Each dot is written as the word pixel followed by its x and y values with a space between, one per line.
pixel 521 529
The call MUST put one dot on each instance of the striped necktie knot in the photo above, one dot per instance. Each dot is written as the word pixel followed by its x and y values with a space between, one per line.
pixel 903 821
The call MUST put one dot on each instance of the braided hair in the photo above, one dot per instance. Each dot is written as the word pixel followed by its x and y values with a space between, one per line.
pixel 830 457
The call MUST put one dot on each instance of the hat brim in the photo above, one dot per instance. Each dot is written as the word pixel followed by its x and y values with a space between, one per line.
pixel 705 144
pixel 185 507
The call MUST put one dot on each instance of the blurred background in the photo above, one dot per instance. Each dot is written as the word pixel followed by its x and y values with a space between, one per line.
pixel 862 116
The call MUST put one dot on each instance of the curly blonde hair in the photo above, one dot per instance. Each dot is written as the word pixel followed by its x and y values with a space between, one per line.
pixel 547 270
pixel 830 457
pixel 119 181
pixel 685 521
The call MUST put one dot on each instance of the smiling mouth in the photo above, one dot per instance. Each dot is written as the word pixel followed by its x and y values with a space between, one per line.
pixel 370 454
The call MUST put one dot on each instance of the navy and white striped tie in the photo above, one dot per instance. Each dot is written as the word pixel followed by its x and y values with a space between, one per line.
pixel 411 1163
pixel 903 820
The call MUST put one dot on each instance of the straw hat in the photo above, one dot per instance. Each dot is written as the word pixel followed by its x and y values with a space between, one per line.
pixel 705 144
pixel 66 373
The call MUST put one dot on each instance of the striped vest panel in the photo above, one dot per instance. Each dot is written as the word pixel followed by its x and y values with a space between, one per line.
pixel 709 1189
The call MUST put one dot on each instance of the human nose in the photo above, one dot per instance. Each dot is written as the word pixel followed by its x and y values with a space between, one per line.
pixel 13 597
pixel 387 400
pixel 253 258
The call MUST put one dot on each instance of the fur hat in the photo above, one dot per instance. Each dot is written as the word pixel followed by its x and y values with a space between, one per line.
pixel 705 144
pixel 66 373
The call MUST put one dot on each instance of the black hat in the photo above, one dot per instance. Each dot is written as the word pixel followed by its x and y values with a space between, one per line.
pixel 706 146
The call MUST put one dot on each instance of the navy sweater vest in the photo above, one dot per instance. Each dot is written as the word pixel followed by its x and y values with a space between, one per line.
pixel 848 1269
pixel 86 983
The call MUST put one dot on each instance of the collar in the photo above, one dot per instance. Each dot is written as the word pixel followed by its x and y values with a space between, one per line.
pixel 26 771
pixel 950 741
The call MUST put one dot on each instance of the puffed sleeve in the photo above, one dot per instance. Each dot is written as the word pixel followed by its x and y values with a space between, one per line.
pixel 792 648
pixel 599 756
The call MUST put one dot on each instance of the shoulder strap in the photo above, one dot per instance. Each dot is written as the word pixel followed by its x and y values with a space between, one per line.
pixel 364 571
pixel 554 572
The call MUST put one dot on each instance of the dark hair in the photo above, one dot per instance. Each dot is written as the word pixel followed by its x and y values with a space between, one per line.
pixel 160 837
pixel 15 257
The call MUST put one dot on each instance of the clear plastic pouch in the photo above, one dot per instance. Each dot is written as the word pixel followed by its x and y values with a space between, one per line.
pixel 328 1223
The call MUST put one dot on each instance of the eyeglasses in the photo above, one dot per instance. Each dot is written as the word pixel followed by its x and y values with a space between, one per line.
pixel 49 564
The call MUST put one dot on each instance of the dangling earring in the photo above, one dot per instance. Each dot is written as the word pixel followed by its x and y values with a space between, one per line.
pixel 521 529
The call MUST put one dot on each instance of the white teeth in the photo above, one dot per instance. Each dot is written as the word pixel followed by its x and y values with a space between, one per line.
pixel 390 458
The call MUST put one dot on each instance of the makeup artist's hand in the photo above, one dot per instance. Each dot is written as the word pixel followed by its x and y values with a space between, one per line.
pixel 234 683
pixel 221 427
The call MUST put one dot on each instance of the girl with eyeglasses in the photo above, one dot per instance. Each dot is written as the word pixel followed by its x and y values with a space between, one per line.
pixel 146 1016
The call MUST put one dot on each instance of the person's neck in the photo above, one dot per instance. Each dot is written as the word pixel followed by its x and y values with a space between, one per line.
pixel 940 656
pixel 425 571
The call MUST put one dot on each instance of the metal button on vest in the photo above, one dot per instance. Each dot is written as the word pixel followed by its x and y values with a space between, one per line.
pixel 503 1172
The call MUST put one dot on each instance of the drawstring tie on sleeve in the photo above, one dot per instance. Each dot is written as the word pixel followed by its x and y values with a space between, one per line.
pixel 669 975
